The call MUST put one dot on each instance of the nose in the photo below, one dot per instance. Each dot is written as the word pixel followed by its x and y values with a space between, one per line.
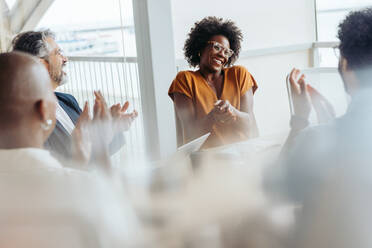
pixel 222 54
pixel 64 59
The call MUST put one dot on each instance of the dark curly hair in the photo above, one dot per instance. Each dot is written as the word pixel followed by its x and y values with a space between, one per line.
pixel 355 34
pixel 204 30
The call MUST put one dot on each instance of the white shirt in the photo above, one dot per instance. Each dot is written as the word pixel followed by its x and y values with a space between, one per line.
pixel 64 119
pixel 27 160
pixel 46 205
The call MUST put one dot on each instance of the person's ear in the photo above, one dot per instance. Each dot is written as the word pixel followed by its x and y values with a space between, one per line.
pixel 44 62
pixel 46 115
pixel 348 75
pixel 41 110
pixel 344 66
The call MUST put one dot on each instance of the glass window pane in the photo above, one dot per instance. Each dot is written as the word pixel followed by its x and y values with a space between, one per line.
pixel 328 25
pixel 339 4
pixel 106 29
pixel 330 13
pixel 10 3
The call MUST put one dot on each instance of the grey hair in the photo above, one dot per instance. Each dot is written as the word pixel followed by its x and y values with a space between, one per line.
pixel 33 42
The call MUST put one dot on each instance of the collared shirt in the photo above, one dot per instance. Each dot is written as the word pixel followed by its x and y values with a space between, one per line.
pixel 64 119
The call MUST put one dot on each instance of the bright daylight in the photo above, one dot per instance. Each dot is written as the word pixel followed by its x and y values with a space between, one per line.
pixel 185 124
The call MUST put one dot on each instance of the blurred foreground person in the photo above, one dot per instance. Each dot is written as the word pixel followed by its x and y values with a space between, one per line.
pixel 218 97
pixel 328 167
pixel 316 152
pixel 44 204
pixel 42 44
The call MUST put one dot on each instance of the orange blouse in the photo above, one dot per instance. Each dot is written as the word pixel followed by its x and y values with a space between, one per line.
pixel 237 81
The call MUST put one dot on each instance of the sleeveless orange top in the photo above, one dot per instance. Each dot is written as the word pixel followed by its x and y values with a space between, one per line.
pixel 237 81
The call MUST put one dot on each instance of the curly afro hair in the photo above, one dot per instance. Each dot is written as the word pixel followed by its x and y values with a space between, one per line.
pixel 204 30
pixel 355 34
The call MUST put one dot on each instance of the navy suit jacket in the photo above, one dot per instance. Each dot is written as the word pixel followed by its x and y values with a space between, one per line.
pixel 59 142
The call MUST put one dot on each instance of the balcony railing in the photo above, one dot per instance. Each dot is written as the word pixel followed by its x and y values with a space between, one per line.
pixel 117 79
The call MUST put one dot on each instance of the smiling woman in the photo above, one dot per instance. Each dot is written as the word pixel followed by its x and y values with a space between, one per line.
pixel 218 97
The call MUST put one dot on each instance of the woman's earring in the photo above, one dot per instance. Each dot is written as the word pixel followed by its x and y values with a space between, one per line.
pixel 47 124
pixel 199 54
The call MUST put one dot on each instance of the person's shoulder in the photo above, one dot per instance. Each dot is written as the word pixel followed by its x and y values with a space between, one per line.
pixel 66 98
pixel 185 75
pixel 183 83
pixel 238 69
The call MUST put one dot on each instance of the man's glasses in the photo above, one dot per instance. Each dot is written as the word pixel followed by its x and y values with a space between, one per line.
pixel 217 47
pixel 60 52
pixel 336 51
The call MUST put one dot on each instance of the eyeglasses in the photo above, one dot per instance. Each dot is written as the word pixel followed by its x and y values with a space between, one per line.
pixel 336 51
pixel 60 52
pixel 217 47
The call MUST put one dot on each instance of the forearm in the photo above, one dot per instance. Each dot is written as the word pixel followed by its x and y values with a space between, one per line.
pixel 247 123
pixel 196 128
pixel 117 142
pixel 297 125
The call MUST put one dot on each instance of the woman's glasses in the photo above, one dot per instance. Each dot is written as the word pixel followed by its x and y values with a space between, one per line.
pixel 217 47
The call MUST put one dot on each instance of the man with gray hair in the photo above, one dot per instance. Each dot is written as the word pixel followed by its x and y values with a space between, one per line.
pixel 42 44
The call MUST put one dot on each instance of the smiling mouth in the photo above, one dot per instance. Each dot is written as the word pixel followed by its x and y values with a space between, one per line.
pixel 217 61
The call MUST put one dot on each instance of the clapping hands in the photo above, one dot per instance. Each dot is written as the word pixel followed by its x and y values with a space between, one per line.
pixel 305 97
pixel 121 119
pixel 92 135
pixel 223 112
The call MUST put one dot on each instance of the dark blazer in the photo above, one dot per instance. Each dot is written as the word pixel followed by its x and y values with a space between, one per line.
pixel 59 142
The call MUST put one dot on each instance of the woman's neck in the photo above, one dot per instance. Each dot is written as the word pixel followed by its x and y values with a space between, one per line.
pixel 210 76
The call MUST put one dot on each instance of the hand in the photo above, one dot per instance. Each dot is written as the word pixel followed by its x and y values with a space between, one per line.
pixel 81 142
pixel 224 112
pixel 300 95
pixel 102 120
pixel 122 120
pixel 91 136
pixel 323 108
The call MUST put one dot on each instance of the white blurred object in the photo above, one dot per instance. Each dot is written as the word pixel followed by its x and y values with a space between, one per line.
pixel 45 205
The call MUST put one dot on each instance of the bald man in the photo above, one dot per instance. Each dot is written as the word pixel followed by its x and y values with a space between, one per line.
pixel 27 102
pixel 43 203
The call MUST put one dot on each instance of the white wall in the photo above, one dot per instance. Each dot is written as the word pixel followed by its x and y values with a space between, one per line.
pixel 271 105
pixel 265 24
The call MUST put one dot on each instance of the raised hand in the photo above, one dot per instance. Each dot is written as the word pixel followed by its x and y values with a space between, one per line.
pixel 92 136
pixel 102 120
pixel 81 140
pixel 300 94
pixel 121 119
pixel 323 108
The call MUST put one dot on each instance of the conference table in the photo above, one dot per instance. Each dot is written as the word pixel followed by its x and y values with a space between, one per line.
pixel 215 198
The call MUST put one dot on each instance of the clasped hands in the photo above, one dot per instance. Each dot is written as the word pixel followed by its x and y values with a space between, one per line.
pixel 94 134
pixel 223 112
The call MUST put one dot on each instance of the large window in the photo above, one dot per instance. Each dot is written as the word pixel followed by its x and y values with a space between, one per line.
pixel 99 39
pixel 329 14
pixel 92 27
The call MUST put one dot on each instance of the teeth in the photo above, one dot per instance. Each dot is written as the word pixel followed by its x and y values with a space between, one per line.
pixel 218 61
